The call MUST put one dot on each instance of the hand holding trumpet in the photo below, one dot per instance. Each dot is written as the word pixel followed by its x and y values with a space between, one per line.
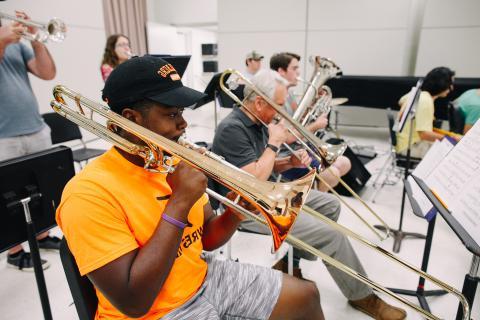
pixel 11 33
pixel 26 28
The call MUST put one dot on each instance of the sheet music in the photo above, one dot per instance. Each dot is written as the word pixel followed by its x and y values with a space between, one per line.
pixel 437 152
pixel 456 181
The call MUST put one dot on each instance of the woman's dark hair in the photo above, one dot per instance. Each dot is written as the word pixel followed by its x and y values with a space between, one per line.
pixel 438 80
pixel 282 60
pixel 109 55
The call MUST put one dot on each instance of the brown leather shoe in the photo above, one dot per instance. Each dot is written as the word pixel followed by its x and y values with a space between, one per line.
pixel 283 266
pixel 378 309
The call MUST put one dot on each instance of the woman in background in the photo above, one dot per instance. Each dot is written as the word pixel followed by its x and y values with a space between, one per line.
pixel 436 84
pixel 117 50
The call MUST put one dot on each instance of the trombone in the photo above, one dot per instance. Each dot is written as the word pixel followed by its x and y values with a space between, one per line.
pixel 279 203
pixel 324 152
pixel 264 195
pixel 54 30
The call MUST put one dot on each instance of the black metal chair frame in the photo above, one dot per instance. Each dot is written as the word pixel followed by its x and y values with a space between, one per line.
pixel 63 130
pixel 83 292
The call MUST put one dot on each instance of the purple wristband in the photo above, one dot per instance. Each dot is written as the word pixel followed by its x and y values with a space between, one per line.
pixel 175 222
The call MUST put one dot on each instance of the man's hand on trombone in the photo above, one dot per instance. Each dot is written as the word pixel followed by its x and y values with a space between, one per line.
pixel 300 159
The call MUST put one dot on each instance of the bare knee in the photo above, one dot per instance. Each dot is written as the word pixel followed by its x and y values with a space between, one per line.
pixel 298 300
pixel 330 178
pixel 312 301
pixel 343 165
pixel 313 294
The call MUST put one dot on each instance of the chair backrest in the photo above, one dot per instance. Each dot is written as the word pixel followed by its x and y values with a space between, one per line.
pixel 456 118
pixel 62 130
pixel 82 289
pixel 391 123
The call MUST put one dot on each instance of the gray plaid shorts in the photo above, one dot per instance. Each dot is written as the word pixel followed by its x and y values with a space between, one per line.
pixel 232 290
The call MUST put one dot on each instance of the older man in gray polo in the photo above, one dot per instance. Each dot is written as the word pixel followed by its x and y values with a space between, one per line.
pixel 245 143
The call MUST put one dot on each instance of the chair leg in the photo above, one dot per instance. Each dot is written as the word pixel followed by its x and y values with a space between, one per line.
pixel 290 259
pixel 228 249
pixel 391 159
pixel 384 166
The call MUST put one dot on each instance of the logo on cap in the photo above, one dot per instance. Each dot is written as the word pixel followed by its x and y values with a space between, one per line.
pixel 168 69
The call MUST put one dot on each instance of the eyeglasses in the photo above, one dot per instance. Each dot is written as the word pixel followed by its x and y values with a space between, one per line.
pixel 122 45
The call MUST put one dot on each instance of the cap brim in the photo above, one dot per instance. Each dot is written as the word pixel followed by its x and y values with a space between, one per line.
pixel 182 97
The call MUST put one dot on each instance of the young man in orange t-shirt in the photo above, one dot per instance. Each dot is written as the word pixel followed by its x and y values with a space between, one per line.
pixel 139 235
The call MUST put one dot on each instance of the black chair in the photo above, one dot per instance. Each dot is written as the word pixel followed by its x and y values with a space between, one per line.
pixel 456 118
pixel 63 130
pixel 82 289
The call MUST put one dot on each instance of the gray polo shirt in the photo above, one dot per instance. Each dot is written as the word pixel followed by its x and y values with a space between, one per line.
pixel 240 141
pixel 19 113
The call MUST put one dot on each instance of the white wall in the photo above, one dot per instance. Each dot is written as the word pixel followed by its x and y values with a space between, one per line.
pixel 165 39
pixel 365 37
pixel 77 58
pixel 450 36
pixel 183 12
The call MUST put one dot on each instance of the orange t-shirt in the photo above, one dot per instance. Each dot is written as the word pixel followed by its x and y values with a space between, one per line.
pixel 113 207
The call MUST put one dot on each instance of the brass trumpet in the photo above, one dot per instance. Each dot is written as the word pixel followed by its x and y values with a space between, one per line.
pixel 324 152
pixel 279 203
pixel 54 30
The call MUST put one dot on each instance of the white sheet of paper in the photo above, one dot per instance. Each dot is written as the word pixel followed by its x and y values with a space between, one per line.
pixel 437 152
pixel 456 181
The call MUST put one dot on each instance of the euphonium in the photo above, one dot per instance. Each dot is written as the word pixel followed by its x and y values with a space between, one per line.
pixel 279 203
pixel 54 30
pixel 321 105
pixel 324 69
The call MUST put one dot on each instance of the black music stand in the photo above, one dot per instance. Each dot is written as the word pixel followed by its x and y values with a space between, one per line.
pixel 180 63
pixel 30 188
pixel 420 292
pixel 214 93
pixel 408 115
pixel 471 280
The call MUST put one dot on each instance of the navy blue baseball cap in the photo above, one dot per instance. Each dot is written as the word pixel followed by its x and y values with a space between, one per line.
pixel 147 77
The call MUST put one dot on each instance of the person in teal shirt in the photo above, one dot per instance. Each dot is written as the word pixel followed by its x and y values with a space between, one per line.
pixel 469 104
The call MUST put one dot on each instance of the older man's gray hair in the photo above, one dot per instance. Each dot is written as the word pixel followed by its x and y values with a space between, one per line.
pixel 266 81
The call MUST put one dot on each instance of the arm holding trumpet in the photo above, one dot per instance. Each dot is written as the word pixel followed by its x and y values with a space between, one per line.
pixel 42 64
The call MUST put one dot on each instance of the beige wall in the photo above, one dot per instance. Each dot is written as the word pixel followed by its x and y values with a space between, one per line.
pixel 78 58
pixel 365 37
